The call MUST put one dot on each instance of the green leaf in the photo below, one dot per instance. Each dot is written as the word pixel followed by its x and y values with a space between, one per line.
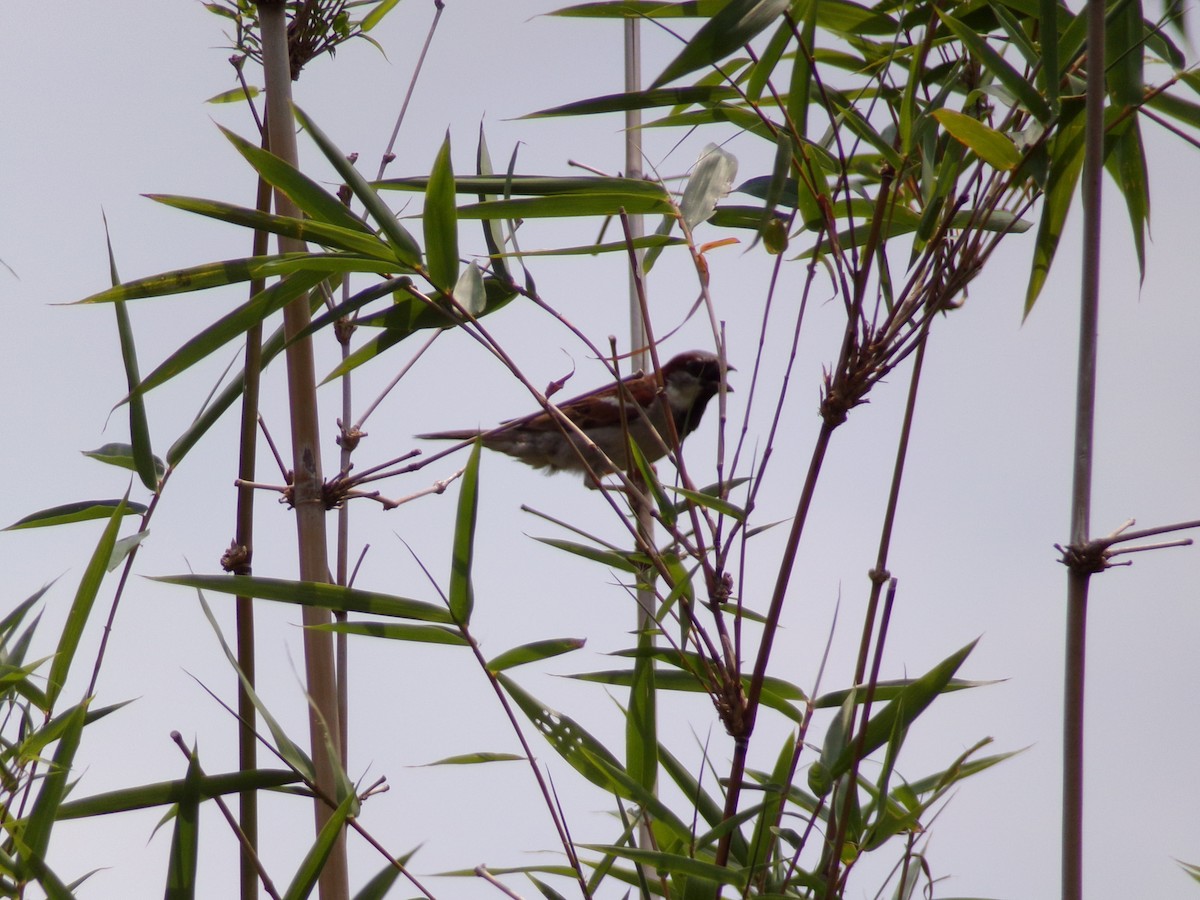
pixel 353 240
pixel 1126 163
pixel 470 759
pixel 236 271
pixel 888 690
pixel 568 738
pixel 379 886
pixel 308 593
pixel 121 455
pixel 1014 81
pixel 534 652
pixel 163 793
pixel 235 95
pixel 420 634
pixel 763 841
pixel 677 865
pixel 307 194
pixel 144 460
pixel 81 606
pixel 1066 162
pixel 215 408
pixel 44 812
pixel 702 95
pixel 611 558
pixel 230 327
pixel 648 242
pixel 1124 52
pixel 462 592
pixel 598 204
pixel 994 148
pixel 310 868
pixel 708 501
pixel 369 21
pixel 627 190
pixel 406 247
pixel 850 18
pixel 1190 869
pixel 636 9
pixel 732 27
pixel 441 222
pixel 185 841
pixel 287 749
pixel 641 718
pixel 900 712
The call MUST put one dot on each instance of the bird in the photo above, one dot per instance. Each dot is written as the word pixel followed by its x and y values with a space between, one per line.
pixel 690 380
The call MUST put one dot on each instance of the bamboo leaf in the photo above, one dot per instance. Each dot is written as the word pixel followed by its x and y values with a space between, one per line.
pixel 307 194
pixel 163 793
pixel 185 840
pixel 462 591
pixel 994 148
pixel 702 95
pixel 215 407
pixel 144 460
pixel 81 606
pixel 405 245
pixel 493 233
pixel 288 750
pixel 627 190
pixel 441 221
pixel 44 812
pixel 121 455
pixel 732 27
pixel 641 718
pixel 568 738
pixel 229 327
pixel 899 713
pixel 379 886
pixel 611 558
pixel 1124 50
pixel 421 634
pixel 598 204
pixel 775 792
pixel 1126 163
pixel 889 690
pixel 650 9
pixel 369 21
pixel 83 511
pixel 710 181
pixel 309 593
pixel 353 240
pixel 236 271
pixel 1066 162
pixel 471 759
pixel 534 652
pixel 677 865
pixel 310 868
pixel 716 504
pixel 1014 81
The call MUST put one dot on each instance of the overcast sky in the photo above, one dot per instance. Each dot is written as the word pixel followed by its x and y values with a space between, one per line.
pixel 105 102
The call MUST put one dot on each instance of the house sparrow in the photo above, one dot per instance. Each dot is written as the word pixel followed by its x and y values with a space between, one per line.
pixel 691 379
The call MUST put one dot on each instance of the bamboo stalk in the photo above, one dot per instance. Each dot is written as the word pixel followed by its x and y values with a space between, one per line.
pixel 308 479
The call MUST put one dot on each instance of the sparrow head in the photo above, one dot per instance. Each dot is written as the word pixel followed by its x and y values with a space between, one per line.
pixel 691 380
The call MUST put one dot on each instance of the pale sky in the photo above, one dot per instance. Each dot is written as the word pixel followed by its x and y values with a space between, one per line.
pixel 104 102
